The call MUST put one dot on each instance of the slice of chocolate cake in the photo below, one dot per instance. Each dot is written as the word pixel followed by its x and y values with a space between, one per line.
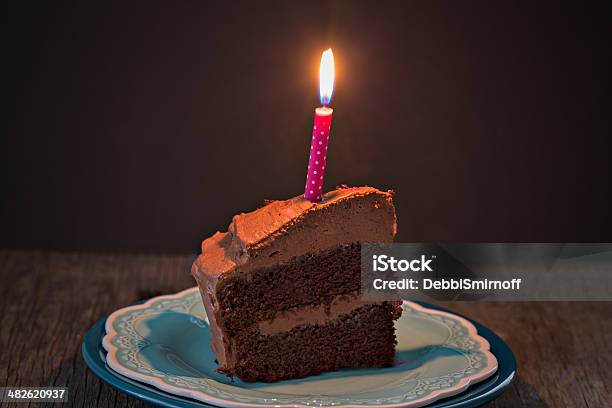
pixel 281 287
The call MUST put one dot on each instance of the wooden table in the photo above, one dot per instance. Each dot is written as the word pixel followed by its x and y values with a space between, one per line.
pixel 48 300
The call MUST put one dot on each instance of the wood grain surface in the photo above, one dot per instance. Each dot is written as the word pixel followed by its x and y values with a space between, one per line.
pixel 48 300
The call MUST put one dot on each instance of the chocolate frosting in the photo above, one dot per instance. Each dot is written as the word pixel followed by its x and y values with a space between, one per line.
pixel 266 230
pixel 281 230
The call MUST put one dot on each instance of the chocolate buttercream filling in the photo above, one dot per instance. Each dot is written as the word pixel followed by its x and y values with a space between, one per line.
pixel 320 314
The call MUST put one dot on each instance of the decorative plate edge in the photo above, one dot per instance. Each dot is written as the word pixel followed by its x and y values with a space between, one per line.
pixel 462 385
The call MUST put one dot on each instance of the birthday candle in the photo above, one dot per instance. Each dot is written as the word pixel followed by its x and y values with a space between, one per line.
pixel 321 130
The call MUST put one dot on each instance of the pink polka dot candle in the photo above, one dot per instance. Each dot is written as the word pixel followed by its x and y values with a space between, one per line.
pixel 320 131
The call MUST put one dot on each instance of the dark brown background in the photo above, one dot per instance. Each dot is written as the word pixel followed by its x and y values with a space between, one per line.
pixel 144 126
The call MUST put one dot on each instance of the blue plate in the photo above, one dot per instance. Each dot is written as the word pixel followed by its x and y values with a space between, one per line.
pixel 475 395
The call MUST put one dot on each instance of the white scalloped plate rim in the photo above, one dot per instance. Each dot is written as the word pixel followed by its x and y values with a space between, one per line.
pixel 462 385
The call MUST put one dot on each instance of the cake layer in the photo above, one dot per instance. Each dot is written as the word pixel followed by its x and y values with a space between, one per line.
pixel 316 278
pixel 308 281
pixel 362 338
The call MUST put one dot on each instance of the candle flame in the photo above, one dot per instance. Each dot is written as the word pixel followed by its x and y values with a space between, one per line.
pixel 326 76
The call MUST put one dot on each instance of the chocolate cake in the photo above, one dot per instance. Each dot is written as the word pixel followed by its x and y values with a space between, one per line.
pixel 281 287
